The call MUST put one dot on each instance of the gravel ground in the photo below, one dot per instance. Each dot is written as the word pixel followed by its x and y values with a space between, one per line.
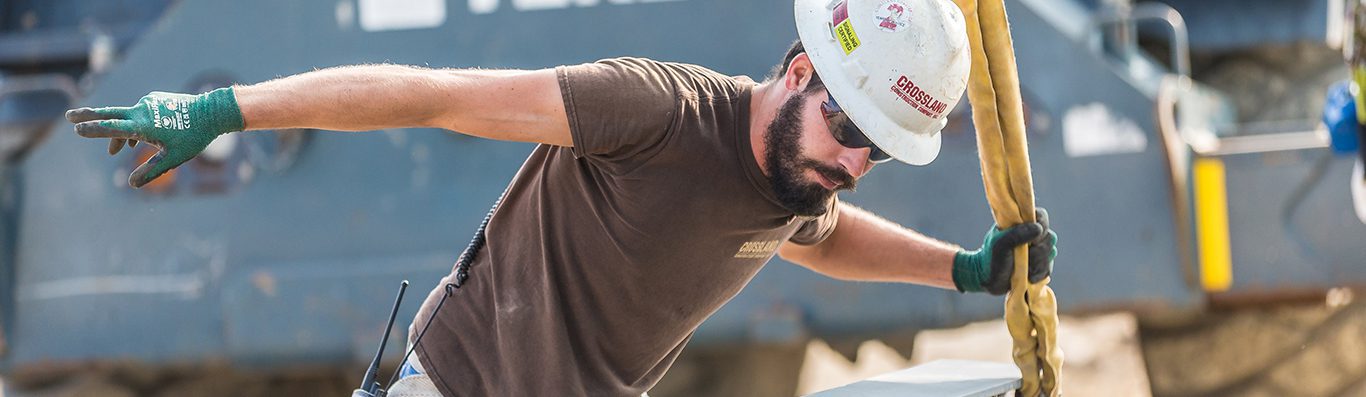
pixel 1306 350
pixel 1313 350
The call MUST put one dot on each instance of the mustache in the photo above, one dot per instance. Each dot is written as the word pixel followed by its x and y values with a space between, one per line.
pixel 843 180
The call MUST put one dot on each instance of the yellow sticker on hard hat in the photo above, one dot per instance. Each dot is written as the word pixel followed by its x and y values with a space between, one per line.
pixel 844 32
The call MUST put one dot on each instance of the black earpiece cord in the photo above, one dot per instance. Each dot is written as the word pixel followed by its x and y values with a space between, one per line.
pixel 462 272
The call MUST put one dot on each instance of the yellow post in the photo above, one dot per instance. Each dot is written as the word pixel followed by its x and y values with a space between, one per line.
pixel 1211 222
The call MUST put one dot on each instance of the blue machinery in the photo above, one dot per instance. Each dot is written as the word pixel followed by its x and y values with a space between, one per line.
pixel 279 249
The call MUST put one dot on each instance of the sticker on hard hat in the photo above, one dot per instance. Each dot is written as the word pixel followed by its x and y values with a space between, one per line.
pixel 844 32
pixel 892 16
pixel 840 13
pixel 910 93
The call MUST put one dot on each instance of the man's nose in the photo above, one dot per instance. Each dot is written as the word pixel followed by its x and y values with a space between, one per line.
pixel 856 161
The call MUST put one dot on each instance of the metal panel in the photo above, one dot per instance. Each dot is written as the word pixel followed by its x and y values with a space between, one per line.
pixel 8 205
pixel 47 32
pixel 1291 223
pixel 1224 25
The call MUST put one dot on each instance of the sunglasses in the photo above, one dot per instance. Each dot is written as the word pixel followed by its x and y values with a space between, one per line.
pixel 846 133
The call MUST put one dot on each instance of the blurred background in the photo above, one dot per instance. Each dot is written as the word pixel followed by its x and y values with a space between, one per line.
pixel 1210 242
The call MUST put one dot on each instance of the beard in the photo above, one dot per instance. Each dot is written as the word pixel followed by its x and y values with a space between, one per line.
pixel 786 164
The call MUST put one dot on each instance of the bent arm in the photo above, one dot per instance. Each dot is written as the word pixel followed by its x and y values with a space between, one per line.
pixel 512 105
pixel 865 247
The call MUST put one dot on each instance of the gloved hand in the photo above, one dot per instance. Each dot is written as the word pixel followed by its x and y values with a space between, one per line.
pixel 989 268
pixel 179 125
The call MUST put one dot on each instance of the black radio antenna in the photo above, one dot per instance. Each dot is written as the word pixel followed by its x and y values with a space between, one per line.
pixel 368 386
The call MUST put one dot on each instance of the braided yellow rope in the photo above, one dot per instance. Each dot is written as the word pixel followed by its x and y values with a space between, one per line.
pixel 997 113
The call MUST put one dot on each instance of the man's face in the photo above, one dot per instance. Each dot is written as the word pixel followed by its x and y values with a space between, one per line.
pixel 806 164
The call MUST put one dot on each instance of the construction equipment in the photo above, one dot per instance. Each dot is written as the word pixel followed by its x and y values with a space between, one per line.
pixel 280 274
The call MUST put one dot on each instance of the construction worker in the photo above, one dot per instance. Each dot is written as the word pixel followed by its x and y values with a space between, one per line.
pixel 656 191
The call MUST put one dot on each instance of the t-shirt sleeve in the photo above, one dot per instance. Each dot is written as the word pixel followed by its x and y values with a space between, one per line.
pixel 618 108
pixel 815 230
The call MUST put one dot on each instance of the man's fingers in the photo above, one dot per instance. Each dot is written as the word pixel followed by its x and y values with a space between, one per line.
pixel 1041 254
pixel 1043 243
pixel 88 114
pixel 1041 217
pixel 143 173
pixel 1052 246
pixel 1039 272
pixel 116 144
pixel 107 129
pixel 154 167
pixel 1016 235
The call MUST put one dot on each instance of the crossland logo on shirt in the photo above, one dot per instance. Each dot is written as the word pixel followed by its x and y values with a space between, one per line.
pixel 758 249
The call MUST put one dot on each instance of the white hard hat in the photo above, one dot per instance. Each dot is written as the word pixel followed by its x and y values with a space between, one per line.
pixel 896 67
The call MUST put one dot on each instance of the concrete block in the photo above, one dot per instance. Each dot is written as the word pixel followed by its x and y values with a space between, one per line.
pixel 943 378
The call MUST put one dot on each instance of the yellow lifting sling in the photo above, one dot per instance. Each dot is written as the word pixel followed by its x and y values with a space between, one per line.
pixel 994 92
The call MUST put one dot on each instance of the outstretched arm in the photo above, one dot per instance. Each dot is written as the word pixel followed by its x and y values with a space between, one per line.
pixel 509 105
pixel 512 105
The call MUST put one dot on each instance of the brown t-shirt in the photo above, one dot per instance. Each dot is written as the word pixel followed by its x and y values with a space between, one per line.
pixel 605 257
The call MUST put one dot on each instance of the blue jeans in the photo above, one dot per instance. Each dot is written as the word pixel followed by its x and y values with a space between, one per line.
pixel 407 369
pixel 412 382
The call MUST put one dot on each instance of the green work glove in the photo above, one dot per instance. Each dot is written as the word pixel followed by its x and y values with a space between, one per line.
pixel 989 268
pixel 178 125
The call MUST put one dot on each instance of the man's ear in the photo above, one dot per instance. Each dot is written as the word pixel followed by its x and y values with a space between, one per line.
pixel 799 73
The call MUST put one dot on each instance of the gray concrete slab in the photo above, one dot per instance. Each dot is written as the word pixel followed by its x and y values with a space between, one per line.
pixel 943 378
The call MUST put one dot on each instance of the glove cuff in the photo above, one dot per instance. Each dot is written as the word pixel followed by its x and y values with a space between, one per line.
pixel 224 115
pixel 967 272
